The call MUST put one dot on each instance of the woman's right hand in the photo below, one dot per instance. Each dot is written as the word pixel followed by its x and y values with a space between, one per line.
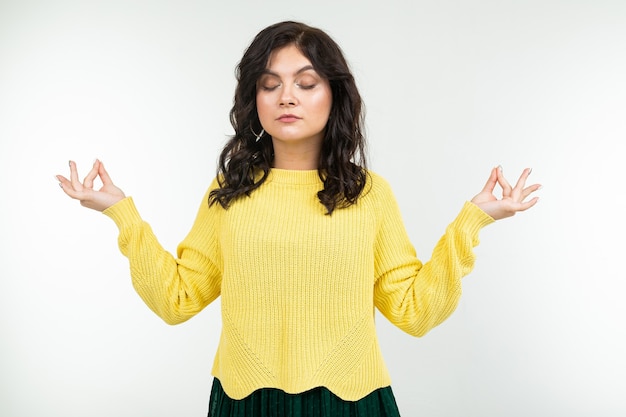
pixel 84 192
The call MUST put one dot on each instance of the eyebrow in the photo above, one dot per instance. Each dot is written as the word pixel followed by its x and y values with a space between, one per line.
pixel 301 70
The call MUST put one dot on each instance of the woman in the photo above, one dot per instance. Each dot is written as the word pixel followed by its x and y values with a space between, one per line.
pixel 301 241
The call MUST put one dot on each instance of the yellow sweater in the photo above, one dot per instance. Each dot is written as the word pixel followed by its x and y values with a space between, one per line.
pixel 299 287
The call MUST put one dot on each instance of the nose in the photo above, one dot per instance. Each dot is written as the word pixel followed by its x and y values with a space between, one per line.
pixel 287 96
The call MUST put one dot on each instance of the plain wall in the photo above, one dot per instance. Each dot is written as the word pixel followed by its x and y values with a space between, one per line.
pixel 452 88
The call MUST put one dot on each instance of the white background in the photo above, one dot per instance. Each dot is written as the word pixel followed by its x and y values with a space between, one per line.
pixel 452 88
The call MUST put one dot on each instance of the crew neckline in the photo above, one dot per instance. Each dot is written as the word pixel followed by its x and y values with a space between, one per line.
pixel 294 176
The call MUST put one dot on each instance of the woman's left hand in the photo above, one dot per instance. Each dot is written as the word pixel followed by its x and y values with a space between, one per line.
pixel 513 198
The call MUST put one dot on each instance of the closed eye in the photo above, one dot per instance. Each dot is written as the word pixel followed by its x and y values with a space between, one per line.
pixel 270 87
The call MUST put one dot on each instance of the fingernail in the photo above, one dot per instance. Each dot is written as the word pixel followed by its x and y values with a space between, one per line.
pixel 500 168
pixel 70 163
pixel 530 170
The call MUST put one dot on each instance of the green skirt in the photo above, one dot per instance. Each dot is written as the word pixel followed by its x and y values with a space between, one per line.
pixel 318 402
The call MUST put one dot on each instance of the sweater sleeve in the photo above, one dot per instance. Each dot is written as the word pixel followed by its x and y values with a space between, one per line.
pixel 417 297
pixel 175 288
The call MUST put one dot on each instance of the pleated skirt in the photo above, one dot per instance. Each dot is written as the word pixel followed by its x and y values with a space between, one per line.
pixel 318 402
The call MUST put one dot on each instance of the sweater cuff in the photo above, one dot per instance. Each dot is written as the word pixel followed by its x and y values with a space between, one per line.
pixel 123 213
pixel 472 219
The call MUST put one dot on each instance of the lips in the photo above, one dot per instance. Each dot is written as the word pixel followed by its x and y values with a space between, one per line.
pixel 288 118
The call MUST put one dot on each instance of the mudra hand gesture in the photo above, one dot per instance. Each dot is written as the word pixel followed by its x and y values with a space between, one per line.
pixel 512 201
pixel 513 198
pixel 84 192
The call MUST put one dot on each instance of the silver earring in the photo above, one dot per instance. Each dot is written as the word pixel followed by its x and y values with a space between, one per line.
pixel 258 137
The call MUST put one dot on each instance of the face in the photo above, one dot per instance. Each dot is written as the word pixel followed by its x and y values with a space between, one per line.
pixel 293 100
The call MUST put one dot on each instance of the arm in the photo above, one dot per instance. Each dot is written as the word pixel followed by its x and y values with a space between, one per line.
pixel 175 288
pixel 417 297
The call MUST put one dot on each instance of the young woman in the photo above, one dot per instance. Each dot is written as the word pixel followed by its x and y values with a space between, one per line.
pixel 301 241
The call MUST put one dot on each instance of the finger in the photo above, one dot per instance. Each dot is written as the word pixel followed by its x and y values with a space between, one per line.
pixel 66 186
pixel 492 181
pixel 506 187
pixel 522 179
pixel 529 190
pixel 525 206
pixel 104 175
pixel 74 177
pixel 88 181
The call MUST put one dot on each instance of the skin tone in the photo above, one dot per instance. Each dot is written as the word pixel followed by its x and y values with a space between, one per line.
pixel 85 192
pixel 513 198
pixel 293 104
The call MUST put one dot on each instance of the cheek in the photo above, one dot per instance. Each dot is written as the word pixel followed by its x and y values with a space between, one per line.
pixel 262 107
pixel 324 104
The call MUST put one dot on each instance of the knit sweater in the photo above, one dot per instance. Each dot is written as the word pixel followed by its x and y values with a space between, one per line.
pixel 299 287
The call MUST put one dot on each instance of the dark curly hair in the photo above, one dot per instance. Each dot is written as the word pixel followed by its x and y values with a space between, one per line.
pixel 245 163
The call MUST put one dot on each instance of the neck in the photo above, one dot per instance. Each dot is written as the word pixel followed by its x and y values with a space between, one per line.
pixel 302 157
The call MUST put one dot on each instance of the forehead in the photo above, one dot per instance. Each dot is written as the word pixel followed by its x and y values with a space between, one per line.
pixel 288 59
